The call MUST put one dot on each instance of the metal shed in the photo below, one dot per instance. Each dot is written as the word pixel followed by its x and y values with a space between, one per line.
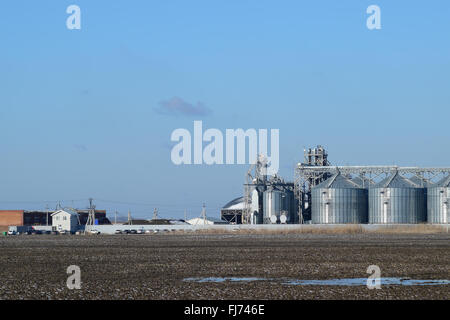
pixel 232 211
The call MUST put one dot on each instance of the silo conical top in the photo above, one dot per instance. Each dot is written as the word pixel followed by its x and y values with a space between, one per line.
pixel 444 183
pixel 338 181
pixel 420 182
pixel 396 181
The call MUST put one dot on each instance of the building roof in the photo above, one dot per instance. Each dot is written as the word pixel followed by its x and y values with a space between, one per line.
pixel 200 221
pixel 12 211
pixel 396 181
pixel 338 181
pixel 444 183
pixel 236 204
pixel 420 182
pixel 67 211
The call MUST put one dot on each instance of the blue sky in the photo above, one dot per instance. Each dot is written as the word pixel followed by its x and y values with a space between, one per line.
pixel 79 108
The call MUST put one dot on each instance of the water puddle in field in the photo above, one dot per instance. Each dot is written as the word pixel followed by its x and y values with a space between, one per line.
pixel 363 282
pixel 329 282
pixel 229 279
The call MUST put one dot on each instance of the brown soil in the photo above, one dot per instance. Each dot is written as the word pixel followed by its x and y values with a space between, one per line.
pixel 154 266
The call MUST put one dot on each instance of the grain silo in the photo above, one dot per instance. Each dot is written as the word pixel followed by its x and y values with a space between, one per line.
pixel 278 206
pixel 423 183
pixel 396 199
pixel 439 201
pixel 339 200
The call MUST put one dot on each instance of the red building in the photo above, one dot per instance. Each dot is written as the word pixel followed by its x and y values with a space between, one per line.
pixel 43 218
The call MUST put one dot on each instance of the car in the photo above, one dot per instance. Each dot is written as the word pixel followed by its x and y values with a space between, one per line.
pixel 38 232
pixel 118 232
pixel 63 232
pixel 148 231
pixel 126 231
pixel 11 233
pixel 132 231
pixel 140 231
pixel 94 231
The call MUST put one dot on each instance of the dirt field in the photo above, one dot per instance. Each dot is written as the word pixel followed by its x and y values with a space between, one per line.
pixel 156 266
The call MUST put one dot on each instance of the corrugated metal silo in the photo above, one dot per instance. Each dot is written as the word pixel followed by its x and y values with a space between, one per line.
pixel 439 202
pixel 277 203
pixel 396 199
pixel 339 200
pixel 423 184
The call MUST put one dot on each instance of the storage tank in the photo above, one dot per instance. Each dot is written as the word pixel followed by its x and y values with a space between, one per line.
pixel 339 200
pixel 423 184
pixel 439 201
pixel 276 204
pixel 396 199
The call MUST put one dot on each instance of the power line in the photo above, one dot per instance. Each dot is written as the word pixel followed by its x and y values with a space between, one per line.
pixel 141 203
pixel 102 200
pixel 41 201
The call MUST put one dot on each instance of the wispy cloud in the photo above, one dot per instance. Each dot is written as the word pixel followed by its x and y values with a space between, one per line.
pixel 80 147
pixel 178 107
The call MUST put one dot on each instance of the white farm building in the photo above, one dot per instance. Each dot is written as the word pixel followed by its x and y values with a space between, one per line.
pixel 65 220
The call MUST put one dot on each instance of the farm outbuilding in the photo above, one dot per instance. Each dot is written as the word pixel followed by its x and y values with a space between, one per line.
pixel 65 220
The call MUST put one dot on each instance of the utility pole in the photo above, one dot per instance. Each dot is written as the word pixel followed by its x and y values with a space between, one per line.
pixel 46 208
pixel 204 214
pixel 185 215
pixel 155 214
pixel 129 218
pixel 91 216
pixel 115 217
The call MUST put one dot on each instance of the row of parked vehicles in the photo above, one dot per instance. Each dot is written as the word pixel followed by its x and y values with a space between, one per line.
pixel 62 232
pixel 94 231
pixel 140 231
pixel 30 232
